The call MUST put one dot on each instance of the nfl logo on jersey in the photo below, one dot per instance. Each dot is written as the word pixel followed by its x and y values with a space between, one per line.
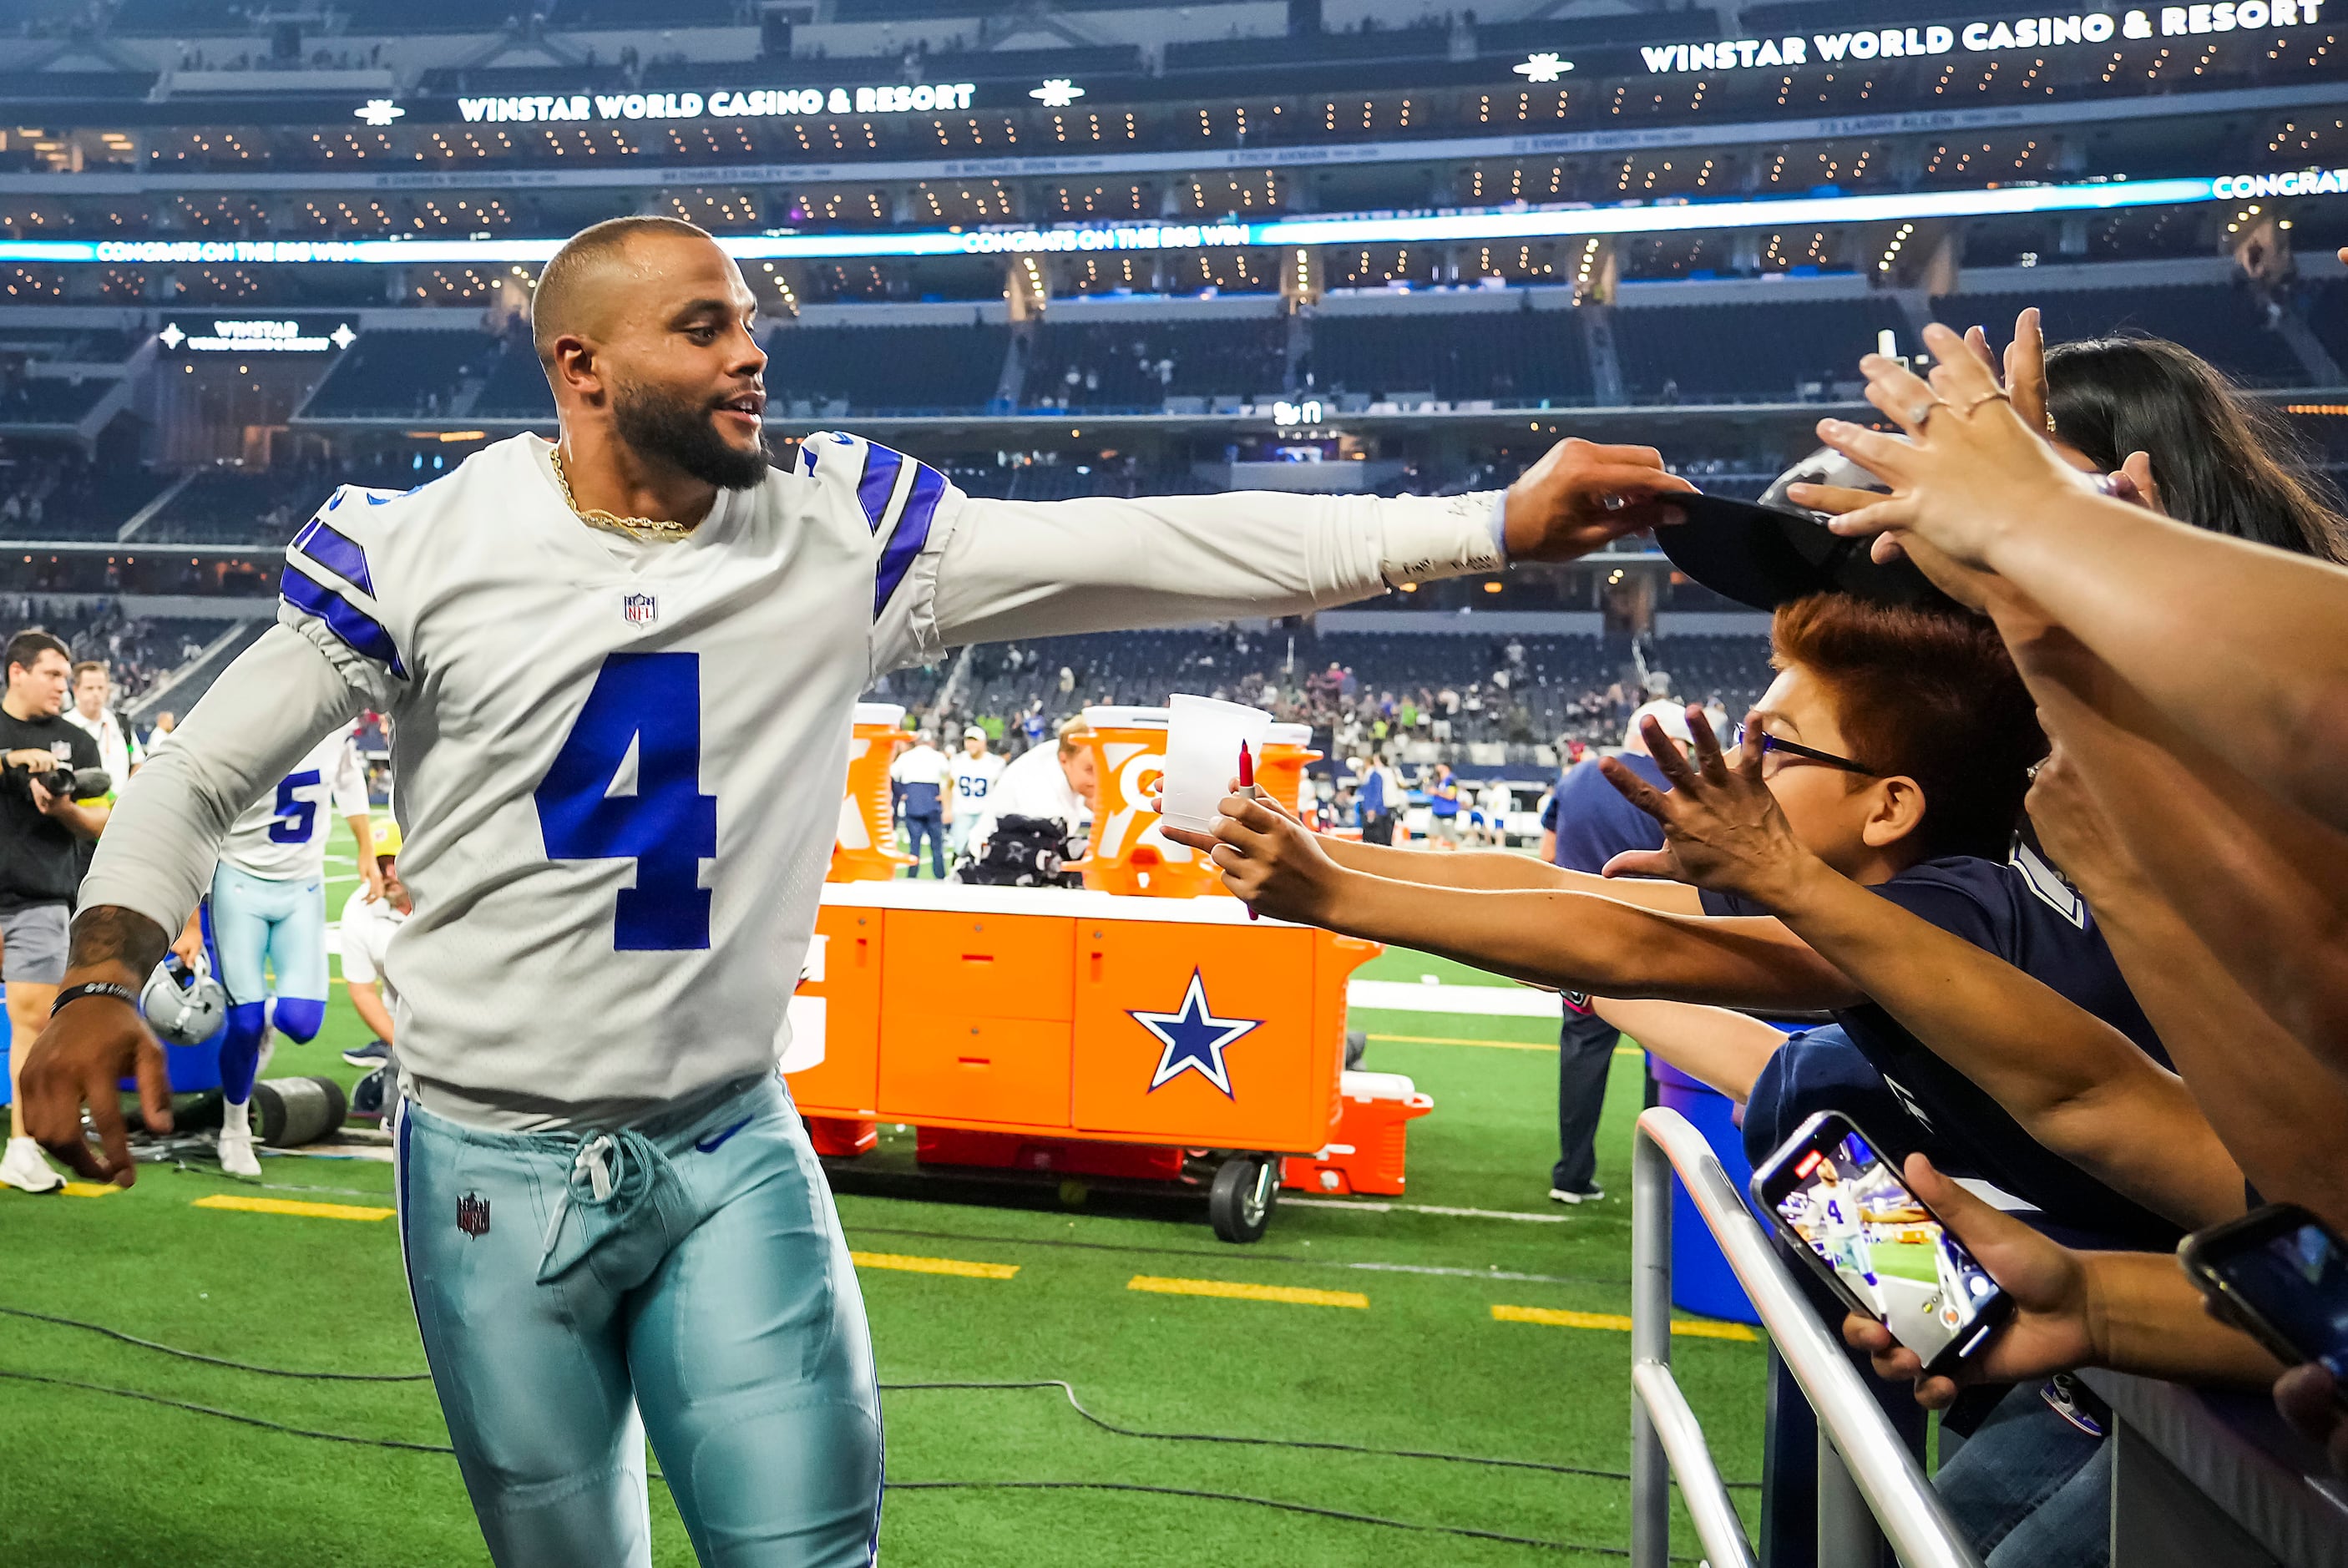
pixel 639 609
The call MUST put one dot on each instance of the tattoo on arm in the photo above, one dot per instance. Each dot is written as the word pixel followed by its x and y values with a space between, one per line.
pixel 108 935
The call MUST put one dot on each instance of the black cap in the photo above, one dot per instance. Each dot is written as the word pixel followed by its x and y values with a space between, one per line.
pixel 1769 551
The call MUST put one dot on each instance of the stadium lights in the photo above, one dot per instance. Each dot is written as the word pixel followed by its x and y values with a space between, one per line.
pixel 1674 217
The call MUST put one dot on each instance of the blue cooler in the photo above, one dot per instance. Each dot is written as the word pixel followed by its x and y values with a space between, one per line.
pixel 1702 1280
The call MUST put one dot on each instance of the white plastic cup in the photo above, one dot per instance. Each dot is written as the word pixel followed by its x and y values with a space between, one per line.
pixel 1203 737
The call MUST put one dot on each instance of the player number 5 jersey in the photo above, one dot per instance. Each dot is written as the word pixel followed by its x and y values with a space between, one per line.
pixel 281 836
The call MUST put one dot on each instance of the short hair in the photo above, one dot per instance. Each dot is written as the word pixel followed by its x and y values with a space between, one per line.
pixel 1930 693
pixel 27 647
pixel 1073 733
pixel 86 666
pixel 553 307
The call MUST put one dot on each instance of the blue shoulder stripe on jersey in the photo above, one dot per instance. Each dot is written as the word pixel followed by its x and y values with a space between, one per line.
pixel 337 552
pixel 879 483
pixel 904 546
pixel 360 631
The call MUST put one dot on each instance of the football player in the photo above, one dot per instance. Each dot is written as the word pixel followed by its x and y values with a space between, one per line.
pixel 621 670
pixel 267 918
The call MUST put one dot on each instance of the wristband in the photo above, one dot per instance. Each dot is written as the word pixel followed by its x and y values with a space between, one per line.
pixel 93 988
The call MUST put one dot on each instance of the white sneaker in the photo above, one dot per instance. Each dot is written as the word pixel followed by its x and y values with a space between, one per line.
pixel 236 1155
pixel 24 1169
pixel 1591 1194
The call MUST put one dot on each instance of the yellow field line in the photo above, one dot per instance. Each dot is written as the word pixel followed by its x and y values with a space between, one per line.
pixel 292 1206
pixel 90 1189
pixel 1233 1290
pixel 959 1267
pixel 1618 1323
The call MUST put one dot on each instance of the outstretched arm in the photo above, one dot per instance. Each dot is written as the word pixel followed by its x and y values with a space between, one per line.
pixel 1023 568
pixel 2264 680
pixel 264 712
pixel 2077 1084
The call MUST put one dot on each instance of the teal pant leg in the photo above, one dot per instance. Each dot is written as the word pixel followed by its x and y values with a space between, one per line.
pixel 752 1363
pixel 533 1378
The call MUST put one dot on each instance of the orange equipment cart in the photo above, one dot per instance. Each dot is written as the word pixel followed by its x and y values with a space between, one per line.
pixel 1070 1021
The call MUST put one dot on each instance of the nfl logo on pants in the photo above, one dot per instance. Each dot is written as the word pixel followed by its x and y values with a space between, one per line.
pixel 639 609
pixel 473 1214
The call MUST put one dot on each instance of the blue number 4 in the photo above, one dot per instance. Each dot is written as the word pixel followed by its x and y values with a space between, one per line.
pixel 295 816
pixel 650 704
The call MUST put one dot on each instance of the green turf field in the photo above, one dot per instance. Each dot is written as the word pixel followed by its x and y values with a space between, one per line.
pixel 97 1477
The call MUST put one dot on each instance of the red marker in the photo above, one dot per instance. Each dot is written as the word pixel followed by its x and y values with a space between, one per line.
pixel 1247 782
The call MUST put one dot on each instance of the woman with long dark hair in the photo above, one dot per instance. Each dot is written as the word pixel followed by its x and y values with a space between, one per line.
pixel 2222 460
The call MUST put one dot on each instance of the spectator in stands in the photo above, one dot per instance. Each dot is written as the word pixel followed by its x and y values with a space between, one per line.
pixel 117 745
pixel 1586 824
pixel 1060 782
pixel 41 827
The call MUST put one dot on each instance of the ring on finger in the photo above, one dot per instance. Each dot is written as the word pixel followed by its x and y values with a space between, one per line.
pixel 1612 502
pixel 1994 396
pixel 1923 411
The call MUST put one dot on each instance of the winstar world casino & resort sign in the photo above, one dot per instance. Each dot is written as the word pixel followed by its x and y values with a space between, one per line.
pixel 2040 32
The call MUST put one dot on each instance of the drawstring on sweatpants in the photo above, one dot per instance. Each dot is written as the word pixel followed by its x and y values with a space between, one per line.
pixel 614 1171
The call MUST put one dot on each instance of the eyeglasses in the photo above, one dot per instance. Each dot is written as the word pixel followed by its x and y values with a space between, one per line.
pixel 1794 749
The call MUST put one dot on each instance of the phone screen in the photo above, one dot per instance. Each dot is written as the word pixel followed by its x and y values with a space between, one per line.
pixel 2297 1279
pixel 1838 1195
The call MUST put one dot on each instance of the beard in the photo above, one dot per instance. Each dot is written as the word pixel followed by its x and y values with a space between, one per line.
pixel 675 431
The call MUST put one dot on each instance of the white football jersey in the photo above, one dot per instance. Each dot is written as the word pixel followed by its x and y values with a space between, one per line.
pixel 621 761
pixel 972 777
pixel 281 836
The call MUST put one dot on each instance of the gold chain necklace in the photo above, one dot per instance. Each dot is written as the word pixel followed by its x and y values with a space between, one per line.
pixel 639 528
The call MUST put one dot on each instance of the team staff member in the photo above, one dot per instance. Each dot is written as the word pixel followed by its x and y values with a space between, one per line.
pixel 1060 781
pixel 117 745
pixel 368 924
pixel 1586 824
pixel 42 831
pixel 924 781
pixel 975 772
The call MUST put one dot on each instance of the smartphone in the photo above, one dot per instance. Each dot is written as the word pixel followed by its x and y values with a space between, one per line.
pixel 2280 1274
pixel 1876 1244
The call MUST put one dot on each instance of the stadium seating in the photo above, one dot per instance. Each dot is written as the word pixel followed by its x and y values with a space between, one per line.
pixel 1524 357
pixel 515 387
pixel 1747 351
pixel 2327 318
pixel 2224 324
pixel 885 369
pixel 401 374
pixel 1136 365
pixel 53 493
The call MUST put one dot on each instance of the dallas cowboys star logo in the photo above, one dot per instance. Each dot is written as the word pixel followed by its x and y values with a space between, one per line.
pixel 1194 1039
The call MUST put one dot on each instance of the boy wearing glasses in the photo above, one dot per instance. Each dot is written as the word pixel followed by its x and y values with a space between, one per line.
pixel 1897 743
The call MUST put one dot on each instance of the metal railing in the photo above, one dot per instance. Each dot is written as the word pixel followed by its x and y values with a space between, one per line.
pixel 1869 1488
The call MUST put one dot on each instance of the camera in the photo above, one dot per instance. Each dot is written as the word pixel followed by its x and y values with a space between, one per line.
pixel 74 783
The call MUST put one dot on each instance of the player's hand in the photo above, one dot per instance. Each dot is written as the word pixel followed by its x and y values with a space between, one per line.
pixel 190 943
pixel 370 879
pixel 2052 1290
pixel 1722 827
pixel 1271 861
pixel 2309 1398
pixel 79 1059
pixel 1581 496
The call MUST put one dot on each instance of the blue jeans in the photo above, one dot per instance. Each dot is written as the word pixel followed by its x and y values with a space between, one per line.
pixel 933 828
pixel 686 1279
pixel 2029 1489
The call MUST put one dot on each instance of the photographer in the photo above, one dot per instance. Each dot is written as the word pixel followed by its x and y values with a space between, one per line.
pixel 42 828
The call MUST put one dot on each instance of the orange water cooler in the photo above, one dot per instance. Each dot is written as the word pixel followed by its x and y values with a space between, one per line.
pixel 865 848
pixel 1127 854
